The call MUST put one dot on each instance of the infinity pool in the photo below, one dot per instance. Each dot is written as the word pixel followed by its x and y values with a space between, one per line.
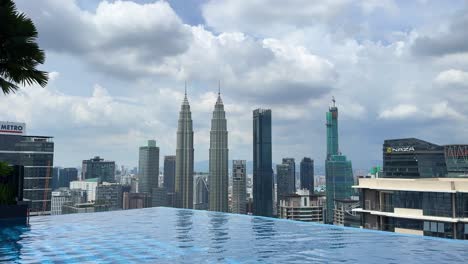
pixel 168 235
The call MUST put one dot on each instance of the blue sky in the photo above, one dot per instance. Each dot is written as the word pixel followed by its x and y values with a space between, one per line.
pixel 396 68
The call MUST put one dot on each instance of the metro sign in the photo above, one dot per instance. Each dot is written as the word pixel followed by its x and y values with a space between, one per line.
pixel 12 128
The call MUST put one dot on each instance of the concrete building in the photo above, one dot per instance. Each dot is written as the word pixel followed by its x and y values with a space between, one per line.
pixel 239 188
pixel 36 154
pixel 423 206
pixel 159 197
pixel 262 163
pixel 88 185
pixel 59 198
pixel 184 158
pixel 338 170
pixel 135 200
pixel 307 174
pixel 98 168
pixel 148 167
pixel 302 206
pixel 201 192
pixel 218 180
pixel 343 214
pixel 110 195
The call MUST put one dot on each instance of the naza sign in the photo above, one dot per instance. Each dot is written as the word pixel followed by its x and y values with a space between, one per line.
pixel 400 149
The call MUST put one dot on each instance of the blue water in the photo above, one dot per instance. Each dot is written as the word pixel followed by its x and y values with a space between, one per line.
pixel 167 235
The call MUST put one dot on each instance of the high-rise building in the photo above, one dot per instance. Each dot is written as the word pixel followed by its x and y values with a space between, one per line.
pixel 88 185
pixel 338 170
pixel 59 198
pixel 184 158
pixel 110 195
pixel 413 158
pixel 262 164
pixel 201 192
pixel 159 197
pixel 169 173
pixel 302 206
pixel 218 180
pixel 307 174
pixel 64 177
pixel 282 181
pixel 36 154
pixel 148 167
pixel 292 174
pixel 239 188
pixel 135 200
pixel 98 168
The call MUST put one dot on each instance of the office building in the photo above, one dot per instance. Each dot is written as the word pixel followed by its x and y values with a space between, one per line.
pixel 302 206
pixel 292 174
pixel 262 164
pixel 338 170
pixel 422 206
pixel 55 178
pixel 307 174
pixel 202 192
pixel 169 173
pixel 282 181
pixel 159 197
pixel 413 158
pixel 135 200
pixel 456 159
pixel 88 185
pixel 36 154
pixel 148 167
pixel 218 180
pixel 184 158
pixel 110 195
pixel 98 168
pixel 59 198
pixel 63 176
pixel 239 188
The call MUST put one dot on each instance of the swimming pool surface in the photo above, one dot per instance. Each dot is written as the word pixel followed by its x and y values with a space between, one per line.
pixel 168 235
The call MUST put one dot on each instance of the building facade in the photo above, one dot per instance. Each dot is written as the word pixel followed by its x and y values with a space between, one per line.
pixel 184 158
pixel 59 198
pixel 148 167
pixel 307 174
pixel 88 185
pixel 169 173
pixel 98 168
pixel 63 176
pixel 422 206
pixel 283 180
pixel 110 195
pixel 302 206
pixel 338 170
pixel 36 154
pixel 456 160
pixel 218 180
pixel 292 174
pixel 239 188
pixel 413 158
pixel 343 214
pixel 135 200
pixel 202 192
pixel 262 163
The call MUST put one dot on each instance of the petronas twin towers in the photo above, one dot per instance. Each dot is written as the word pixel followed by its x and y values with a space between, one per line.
pixel 218 178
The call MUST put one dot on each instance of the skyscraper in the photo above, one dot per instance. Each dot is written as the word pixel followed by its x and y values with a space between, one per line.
pixel 98 168
pixel 292 174
pixel 202 193
pixel 338 170
pixel 218 179
pixel 282 181
pixel 148 167
pixel 262 165
pixel 169 173
pixel 307 174
pixel 36 154
pixel 239 188
pixel 184 158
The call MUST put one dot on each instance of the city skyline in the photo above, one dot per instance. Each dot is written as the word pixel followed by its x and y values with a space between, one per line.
pixel 373 70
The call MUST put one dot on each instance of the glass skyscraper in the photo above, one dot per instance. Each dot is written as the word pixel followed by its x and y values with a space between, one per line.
pixel 307 174
pixel 338 170
pixel 36 154
pixel 262 164
pixel 169 173
pixel 148 167
pixel 98 168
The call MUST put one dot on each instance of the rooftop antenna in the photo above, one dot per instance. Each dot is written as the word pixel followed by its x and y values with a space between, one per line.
pixel 219 87
pixel 333 100
pixel 185 88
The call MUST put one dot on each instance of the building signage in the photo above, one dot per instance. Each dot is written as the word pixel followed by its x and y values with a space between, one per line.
pixel 12 128
pixel 400 149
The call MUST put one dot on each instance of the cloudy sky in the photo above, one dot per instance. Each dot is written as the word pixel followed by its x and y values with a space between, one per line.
pixel 396 68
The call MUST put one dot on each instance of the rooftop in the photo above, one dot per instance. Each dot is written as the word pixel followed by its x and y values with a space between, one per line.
pixel 168 235
pixel 451 185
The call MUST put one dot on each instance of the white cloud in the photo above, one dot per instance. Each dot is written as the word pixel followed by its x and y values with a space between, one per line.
pixel 452 77
pixel 399 112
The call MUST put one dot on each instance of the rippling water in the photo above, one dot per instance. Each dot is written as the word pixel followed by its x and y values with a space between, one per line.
pixel 167 235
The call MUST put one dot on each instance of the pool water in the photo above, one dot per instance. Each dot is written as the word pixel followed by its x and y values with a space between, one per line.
pixel 169 235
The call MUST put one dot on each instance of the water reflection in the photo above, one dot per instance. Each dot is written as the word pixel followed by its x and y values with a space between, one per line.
pixel 264 232
pixel 184 224
pixel 219 234
pixel 10 246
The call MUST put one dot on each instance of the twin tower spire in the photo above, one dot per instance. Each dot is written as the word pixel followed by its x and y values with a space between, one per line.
pixel 218 158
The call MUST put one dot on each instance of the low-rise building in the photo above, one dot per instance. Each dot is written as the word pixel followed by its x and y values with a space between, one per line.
pixel 302 206
pixel 344 214
pixel 109 194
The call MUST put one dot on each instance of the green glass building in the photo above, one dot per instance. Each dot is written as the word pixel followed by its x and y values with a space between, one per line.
pixel 338 170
